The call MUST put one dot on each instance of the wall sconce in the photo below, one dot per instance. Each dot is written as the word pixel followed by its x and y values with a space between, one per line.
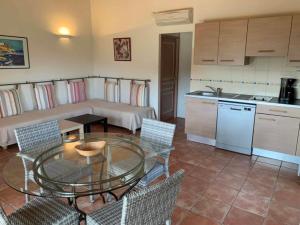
pixel 64 32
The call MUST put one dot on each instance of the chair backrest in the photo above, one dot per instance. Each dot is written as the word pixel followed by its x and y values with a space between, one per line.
pixel 38 137
pixel 157 131
pixel 153 205
pixel 3 217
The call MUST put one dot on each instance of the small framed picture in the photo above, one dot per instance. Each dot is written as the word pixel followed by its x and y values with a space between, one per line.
pixel 122 49
pixel 14 52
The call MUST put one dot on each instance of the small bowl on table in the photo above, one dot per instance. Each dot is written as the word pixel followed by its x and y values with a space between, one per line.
pixel 90 149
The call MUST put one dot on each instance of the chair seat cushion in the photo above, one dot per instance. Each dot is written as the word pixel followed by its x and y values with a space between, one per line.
pixel 44 211
pixel 108 215
pixel 157 171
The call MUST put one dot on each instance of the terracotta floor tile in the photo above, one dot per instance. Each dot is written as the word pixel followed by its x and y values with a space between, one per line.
pixel 193 219
pixel 265 168
pixel 252 203
pixel 239 170
pixel 204 174
pixel 224 194
pixel 178 215
pixel 186 199
pixel 194 186
pixel 254 188
pixel 262 178
pixel 271 221
pixel 288 184
pixel 284 214
pixel 240 217
pixel 231 180
pixel 287 198
pixel 213 163
pixel 288 173
pixel 215 210
pixel 269 161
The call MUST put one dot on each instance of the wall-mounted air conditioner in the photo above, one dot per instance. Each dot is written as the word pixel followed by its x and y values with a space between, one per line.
pixel 174 17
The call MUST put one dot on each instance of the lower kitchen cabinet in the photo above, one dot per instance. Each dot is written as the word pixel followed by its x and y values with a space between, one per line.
pixel 201 117
pixel 276 133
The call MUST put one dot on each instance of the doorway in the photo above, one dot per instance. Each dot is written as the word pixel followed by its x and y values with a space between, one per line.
pixel 175 73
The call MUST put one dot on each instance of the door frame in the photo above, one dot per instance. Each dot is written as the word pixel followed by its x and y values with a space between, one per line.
pixel 176 74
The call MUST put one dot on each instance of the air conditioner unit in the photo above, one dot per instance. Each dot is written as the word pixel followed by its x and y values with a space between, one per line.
pixel 174 17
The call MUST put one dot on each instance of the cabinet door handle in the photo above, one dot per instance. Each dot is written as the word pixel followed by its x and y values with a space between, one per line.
pixel 278 110
pixel 268 119
pixel 266 50
pixel 227 60
pixel 294 60
pixel 209 103
pixel 207 60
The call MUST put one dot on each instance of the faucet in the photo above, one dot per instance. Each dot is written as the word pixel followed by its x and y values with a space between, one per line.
pixel 217 91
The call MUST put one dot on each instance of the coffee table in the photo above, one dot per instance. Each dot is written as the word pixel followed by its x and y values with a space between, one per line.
pixel 88 119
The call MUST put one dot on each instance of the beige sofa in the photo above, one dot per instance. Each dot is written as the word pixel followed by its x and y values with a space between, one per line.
pixel 118 114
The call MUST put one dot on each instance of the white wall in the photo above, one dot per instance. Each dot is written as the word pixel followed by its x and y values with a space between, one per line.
pixel 184 75
pixel 133 18
pixel 50 56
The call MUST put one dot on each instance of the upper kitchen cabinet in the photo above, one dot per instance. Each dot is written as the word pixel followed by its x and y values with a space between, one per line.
pixel 232 42
pixel 294 48
pixel 206 43
pixel 268 36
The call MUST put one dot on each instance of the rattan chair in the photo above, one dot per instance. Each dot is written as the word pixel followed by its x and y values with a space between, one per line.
pixel 160 134
pixel 149 206
pixel 33 140
pixel 37 138
pixel 41 211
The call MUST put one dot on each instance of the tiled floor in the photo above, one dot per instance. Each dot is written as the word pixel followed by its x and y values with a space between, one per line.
pixel 220 187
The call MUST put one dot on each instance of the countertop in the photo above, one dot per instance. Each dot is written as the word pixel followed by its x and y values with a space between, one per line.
pixel 235 97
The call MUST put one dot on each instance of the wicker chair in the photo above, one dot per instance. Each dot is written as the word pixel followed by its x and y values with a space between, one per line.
pixel 37 138
pixel 159 133
pixel 41 211
pixel 33 140
pixel 150 206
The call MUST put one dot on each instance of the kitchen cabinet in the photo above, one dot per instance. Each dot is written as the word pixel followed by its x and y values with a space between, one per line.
pixel 276 133
pixel 201 117
pixel 278 110
pixel 268 36
pixel 206 43
pixel 232 42
pixel 294 48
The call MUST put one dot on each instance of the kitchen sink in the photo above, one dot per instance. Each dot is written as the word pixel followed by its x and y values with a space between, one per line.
pixel 204 93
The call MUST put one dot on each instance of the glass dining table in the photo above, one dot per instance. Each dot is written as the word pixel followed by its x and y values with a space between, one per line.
pixel 84 165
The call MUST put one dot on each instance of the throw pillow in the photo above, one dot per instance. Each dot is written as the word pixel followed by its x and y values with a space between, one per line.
pixel 138 95
pixel 10 103
pixel 76 91
pixel 45 96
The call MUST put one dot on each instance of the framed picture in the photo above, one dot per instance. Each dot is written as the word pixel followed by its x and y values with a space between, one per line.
pixel 122 49
pixel 14 52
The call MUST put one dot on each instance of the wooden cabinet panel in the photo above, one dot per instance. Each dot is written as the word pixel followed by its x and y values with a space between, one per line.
pixel 278 110
pixel 206 43
pixel 268 36
pixel 294 48
pixel 232 42
pixel 201 117
pixel 276 133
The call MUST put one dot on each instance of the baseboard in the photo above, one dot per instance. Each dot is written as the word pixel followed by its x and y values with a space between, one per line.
pixel 200 139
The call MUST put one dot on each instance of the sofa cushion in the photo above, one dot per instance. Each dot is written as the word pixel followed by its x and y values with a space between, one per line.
pixel 8 124
pixel 10 103
pixel 120 114
pixel 138 95
pixel 45 96
pixel 76 91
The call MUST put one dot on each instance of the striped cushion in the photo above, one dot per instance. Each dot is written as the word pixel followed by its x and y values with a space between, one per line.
pixel 45 96
pixel 76 91
pixel 10 103
pixel 112 91
pixel 138 95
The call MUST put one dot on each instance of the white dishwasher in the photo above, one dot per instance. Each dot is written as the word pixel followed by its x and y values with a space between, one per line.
pixel 235 126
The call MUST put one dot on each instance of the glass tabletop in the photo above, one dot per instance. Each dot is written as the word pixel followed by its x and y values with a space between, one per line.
pixel 84 164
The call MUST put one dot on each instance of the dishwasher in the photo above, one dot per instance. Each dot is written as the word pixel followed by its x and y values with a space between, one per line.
pixel 235 126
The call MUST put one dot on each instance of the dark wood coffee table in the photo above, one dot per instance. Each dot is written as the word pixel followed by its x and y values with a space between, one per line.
pixel 88 119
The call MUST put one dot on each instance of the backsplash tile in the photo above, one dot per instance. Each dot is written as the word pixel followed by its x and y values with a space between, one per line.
pixel 260 77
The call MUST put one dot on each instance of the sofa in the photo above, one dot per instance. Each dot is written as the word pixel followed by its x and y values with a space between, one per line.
pixel 120 113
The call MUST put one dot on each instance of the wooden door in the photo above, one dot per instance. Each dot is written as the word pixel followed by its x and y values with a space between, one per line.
pixel 276 133
pixel 206 43
pixel 169 64
pixel 294 48
pixel 232 42
pixel 201 117
pixel 268 36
